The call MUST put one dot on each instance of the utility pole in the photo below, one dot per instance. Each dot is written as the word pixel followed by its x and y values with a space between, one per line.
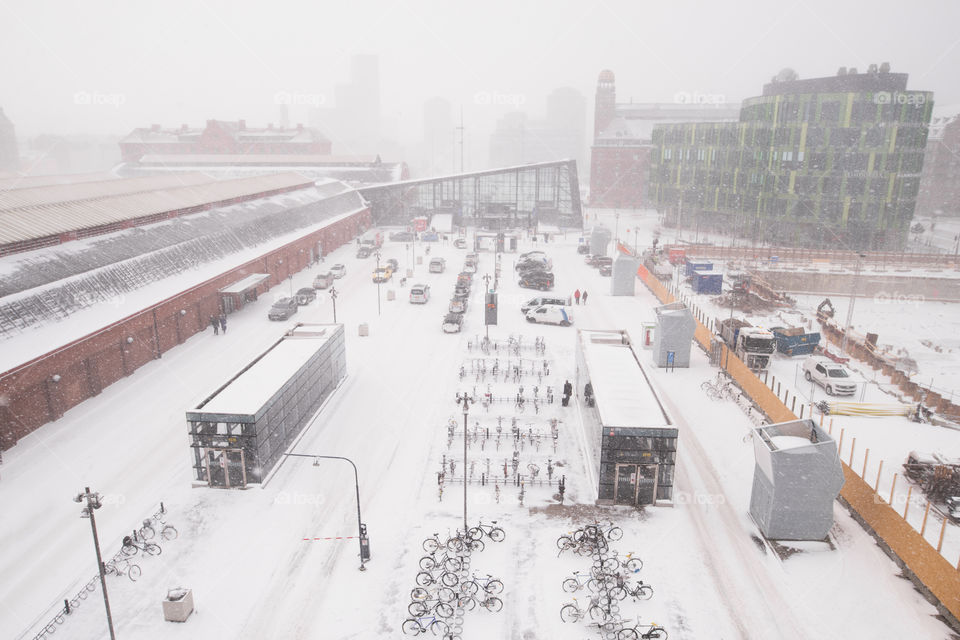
pixel 333 298
pixel 379 278
pixel 853 299
pixel 460 129
pixel 464 401
pixel 94 502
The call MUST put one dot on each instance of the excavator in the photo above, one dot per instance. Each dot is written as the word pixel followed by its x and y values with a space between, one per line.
pixel 825 309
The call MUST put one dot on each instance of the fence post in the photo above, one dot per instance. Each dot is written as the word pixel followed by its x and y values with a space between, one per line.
pixel 831 426
pixel 906 507
pixel 926 512
pixel 853 445
pixel 801 411
pixel 840 443
pixel 865 457
pixel 821 418
pixel 778 388
pixel 893 485
pixel 792 404
pixel 876 487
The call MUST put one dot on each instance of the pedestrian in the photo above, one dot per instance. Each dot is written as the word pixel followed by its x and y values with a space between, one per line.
pixel 567 392
pixel 583 296
pixel 223 322
pixel 215 325
pixel 576 296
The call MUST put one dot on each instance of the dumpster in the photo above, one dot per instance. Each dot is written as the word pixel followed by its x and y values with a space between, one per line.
pixel 795 341
pixel 707 282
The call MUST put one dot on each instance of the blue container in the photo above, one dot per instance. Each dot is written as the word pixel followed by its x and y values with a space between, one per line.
pixel 697 264
pixel 707 282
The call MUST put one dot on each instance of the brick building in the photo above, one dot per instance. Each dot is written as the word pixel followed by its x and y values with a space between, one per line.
pixel 9 155
pixel 222 137
pixel 622 142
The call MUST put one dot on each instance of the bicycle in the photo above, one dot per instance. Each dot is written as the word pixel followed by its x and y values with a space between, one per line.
pixel 634 633
pixel 489 602
pixel 448 561
pixel 444 594
pixel 123 566
pixel 446 578
pixel 147 532
pixel 489 585
pixel 492 531
pixel 577 581
pixel 571 612
pixel 131 547
pixel 622 590
pixel 612 532
pixel 419 608
pixel 416 625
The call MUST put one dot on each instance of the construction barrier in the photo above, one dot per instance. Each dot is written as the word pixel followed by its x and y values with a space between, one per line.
pixel 867 409
pixel 908 547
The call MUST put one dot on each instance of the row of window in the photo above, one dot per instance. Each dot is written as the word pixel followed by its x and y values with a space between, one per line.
pixel 866 108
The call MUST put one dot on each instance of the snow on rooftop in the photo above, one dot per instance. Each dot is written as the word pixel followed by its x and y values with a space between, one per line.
pixel 624 395
pixel 248 392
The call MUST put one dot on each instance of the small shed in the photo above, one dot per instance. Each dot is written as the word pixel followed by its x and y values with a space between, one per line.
pixel 673 336
pixel 247 289
pixel 795 481
pixel 624 275
pixel 707 282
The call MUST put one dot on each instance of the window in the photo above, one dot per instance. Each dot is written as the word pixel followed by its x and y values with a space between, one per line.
pixel 829 113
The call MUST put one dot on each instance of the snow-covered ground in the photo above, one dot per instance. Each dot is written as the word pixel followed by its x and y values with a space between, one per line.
pixel 251 556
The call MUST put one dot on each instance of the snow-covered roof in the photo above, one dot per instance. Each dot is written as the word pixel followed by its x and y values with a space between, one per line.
pixel 242 285
pixel 624 395
pixel 248 392
pixel 10 181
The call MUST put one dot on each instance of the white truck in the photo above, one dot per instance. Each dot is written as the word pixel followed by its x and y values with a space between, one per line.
pixel 753 345
pixel 833 377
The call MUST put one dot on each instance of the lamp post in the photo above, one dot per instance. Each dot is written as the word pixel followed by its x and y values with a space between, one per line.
pixel 361 528
pixel 464 401
pixel 853 299
pixel 94 503
pixel 616 233
pixel 377 254
pixel 333 298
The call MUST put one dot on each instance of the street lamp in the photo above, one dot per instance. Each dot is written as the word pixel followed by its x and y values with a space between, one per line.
pixel 333 298
pixel 616 233
pixel 94 503
pixel 464 401
pixel 361 528
pixel 377 254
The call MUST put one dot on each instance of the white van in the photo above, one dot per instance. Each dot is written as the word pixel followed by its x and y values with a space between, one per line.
pixel 533 303
pixel 419 293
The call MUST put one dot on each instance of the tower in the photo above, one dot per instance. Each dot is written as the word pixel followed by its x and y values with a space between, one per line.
pixel 605 106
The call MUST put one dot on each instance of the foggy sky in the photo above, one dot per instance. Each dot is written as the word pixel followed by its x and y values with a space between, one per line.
pixel 176 62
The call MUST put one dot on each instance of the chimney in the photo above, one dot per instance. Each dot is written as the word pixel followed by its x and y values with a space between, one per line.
pixel 270 126
pixel 299 126
pixel 154 127
pixel 242 124
pixel 183 128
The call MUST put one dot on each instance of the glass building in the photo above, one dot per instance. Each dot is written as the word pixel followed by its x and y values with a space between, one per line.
pixel 833 160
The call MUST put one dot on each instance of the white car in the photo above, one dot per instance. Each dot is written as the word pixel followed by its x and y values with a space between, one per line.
pixel 833 377
pixel 419 293
pixel 550 314
pixel 338 270
pixel 437 265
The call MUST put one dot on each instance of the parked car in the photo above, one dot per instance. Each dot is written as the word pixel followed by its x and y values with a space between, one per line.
pixel 365 251
pixel 338 270
pixel 833 377
pixel 403 236
pixel 537 280
pixel 469 267
pixel 532 267
pixel 544 264
pixel 383 274
pixel 282 309
pixel 591 260
pixel 530 255
pixel 533 303
pixel 429 236
pixel 603 260
pixel 437 265
pixel 606 269
pixel 460 243
pixel 393 264
pixel 472 258
pixel 550 314
pixel 306 295
pixel 452 322
pixel 419 293
pixel 323 280
pixel 583 248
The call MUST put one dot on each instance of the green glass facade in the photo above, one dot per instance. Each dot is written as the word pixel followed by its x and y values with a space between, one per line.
pixel 825 161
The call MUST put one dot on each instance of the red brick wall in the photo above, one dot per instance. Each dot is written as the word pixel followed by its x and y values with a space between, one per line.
pixel 29 397
pixel 619 176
